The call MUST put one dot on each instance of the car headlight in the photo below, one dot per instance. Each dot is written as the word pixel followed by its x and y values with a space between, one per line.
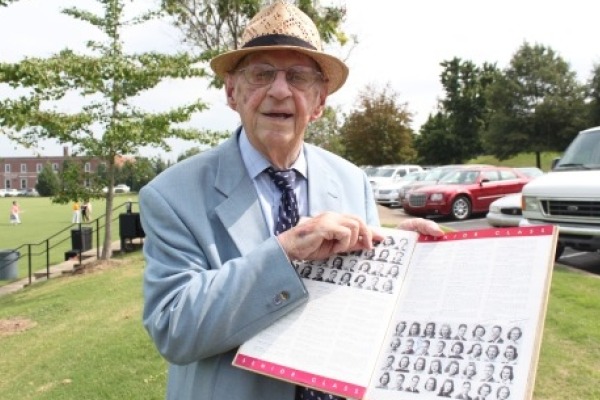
pixel 530 203
pixel 437 197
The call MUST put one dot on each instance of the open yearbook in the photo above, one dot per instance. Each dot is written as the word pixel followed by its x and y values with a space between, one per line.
pixel 418 317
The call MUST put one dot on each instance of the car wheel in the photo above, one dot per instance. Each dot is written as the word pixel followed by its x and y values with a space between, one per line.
pixel 559 250
pixel 461 208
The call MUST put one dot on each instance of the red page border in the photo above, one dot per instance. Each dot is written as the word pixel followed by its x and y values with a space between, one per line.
pixel 540 230
pixel 308 379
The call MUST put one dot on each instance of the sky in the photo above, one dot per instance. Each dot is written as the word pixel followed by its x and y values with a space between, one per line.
pixel 400 44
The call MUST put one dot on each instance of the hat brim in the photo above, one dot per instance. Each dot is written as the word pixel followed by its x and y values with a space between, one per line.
pixel 332 68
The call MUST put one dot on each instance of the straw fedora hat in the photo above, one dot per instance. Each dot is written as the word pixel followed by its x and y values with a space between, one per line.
pixel 282 26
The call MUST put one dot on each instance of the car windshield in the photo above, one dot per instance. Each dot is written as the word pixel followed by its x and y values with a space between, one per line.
pixel 436 174
pixel 370 171
pixel 583 153
pixel 384 172
pixel 461 177
pixel 413 176
pixel 531 172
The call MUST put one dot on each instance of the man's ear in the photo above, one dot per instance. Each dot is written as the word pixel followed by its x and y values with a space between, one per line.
pixel 229 91
pixel 318 111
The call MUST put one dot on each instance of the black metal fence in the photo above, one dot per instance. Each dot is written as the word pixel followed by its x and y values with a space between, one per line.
pixel 82 236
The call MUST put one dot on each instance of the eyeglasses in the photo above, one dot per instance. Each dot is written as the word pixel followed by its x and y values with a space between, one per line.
pixel 299 77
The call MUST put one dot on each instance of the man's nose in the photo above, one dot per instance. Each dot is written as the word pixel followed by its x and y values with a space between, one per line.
pixel 280 86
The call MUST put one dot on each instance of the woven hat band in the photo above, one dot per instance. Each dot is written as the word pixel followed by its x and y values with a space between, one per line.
pixel 278 40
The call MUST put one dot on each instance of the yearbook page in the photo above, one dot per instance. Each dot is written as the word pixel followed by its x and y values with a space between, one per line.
pixel 459 316
pixel 332 342
pixel 469 320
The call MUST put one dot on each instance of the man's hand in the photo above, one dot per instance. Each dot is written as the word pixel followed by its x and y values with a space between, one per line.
pixel 421 225
pixel 326 234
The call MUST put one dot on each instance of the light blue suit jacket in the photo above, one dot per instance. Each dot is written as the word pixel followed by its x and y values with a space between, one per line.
pixel 215 275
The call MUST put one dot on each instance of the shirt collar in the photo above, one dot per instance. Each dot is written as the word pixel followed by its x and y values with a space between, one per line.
pixel 256 163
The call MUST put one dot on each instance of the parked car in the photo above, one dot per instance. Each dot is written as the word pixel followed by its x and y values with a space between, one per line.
pixel 507 211
pixel 390 173
pixel 29 192
pixel 464 191
pixel 9 192
pixel 369 169
pixel 567 196
pixel 120 188
pixel 532 172
pixel 388 194
pixel 432 178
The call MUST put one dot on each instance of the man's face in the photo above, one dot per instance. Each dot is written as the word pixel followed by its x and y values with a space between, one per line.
pixel 275 116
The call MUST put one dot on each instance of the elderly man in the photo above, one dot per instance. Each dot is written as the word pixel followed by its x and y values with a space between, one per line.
pixel 223 227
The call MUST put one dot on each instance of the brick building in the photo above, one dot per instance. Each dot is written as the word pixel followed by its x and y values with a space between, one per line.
pixel 22 172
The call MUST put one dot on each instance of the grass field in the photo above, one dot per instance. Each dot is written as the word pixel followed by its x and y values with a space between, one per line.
pixel 81 337
pixel 521 160
pixel 41 220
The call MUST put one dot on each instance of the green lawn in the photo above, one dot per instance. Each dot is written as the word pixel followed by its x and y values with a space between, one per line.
pixel 86 340
pixel 41 220
pixel 521 160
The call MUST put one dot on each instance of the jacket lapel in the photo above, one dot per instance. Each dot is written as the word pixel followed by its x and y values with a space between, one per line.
pixel 324 192
pixel 240 212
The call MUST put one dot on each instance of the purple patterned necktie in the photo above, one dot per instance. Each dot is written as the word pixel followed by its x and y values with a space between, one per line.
pixel 287 216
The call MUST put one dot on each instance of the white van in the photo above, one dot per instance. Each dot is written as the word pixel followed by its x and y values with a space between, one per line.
pixel 391 173
pixel 569 195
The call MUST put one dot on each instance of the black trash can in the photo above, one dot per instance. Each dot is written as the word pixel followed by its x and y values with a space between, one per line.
pixel 130 227
pixel 9 261
pixel 81 239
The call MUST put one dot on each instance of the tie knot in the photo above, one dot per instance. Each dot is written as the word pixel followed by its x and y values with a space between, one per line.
pixel 283 179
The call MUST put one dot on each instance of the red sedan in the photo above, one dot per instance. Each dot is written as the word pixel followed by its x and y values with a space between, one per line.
pixel 465 191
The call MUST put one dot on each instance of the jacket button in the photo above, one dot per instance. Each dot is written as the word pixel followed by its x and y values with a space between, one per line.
pixel 281 297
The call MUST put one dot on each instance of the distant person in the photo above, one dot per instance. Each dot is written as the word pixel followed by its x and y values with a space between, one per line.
pixel 76 219
pixel 86 211
pixel 15 212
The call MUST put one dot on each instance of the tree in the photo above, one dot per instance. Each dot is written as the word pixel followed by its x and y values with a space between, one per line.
pixel 378 131
pixel 48 183
pixel 464 105
pixel 594 97
pixel 107 125
pixel 215 26
pixel 436 143
pixel 325 132
pixel 537 105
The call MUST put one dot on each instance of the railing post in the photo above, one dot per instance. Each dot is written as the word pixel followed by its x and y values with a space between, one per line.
pixel 97 238
pixel 29 262
pixel 47 258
